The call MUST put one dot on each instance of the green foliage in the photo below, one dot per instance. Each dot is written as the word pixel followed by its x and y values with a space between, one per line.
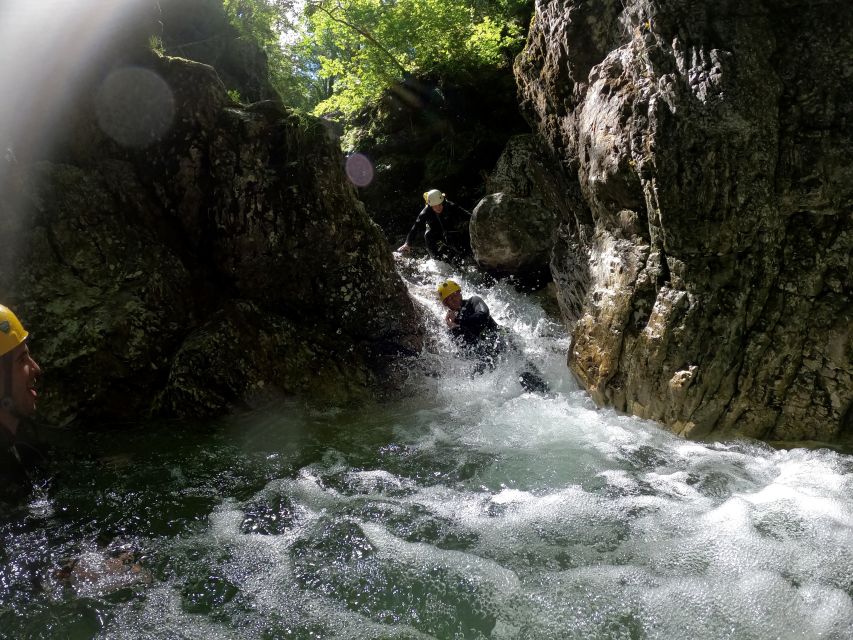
pixel 376 43
pixel 340 55
pixel 155 43
pixel 261 21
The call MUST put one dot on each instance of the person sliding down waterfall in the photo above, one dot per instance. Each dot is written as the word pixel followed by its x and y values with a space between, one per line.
pixel 435 238
pixel 477 333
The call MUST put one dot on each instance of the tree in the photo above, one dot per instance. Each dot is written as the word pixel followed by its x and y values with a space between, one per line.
pixel 269 23
pixel 340 55
pixel 377 43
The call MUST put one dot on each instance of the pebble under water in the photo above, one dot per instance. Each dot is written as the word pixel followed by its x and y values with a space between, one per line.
pixel 468 509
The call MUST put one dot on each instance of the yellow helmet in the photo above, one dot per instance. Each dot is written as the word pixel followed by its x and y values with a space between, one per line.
pixel 12 332
pixel 433 197
pixel 447 289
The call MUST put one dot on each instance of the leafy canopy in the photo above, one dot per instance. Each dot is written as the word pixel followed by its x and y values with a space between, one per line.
pixel 379 42
pixel 340 55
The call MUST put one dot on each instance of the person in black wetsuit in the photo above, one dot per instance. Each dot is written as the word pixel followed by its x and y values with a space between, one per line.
pixel 474 329
pixel 472 325
pixel 435 238
pixel 21 457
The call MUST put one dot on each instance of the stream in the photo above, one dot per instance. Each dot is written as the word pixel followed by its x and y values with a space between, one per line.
pixel 466 509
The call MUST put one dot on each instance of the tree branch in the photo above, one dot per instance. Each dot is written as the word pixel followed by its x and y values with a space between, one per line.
pixel 363 33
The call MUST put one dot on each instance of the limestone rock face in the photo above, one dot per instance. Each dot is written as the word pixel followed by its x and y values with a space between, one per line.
pixel 706 267
pixel 512 235
pixel 523 171
pixel 187 268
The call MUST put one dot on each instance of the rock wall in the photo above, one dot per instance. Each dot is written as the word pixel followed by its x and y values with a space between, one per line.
pixel 177 253
pixel 706 271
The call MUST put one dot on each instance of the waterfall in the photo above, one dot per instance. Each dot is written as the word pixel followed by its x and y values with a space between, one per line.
pixel 470 508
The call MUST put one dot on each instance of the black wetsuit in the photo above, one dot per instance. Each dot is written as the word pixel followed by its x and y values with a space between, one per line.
pixel 435 237
pixel 23 462
pixel 479 334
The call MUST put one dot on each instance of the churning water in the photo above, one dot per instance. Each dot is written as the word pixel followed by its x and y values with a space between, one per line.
pixel 469 509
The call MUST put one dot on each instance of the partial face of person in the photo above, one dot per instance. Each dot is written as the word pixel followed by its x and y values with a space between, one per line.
pixel 454 301
pixel 25 371
pixel 438 208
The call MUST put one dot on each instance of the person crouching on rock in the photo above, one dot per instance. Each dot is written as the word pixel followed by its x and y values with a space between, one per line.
pixel 476 332
pixel 435 238
pixel 20 455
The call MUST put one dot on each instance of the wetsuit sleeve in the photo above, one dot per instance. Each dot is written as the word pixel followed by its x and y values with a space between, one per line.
pixel 420 221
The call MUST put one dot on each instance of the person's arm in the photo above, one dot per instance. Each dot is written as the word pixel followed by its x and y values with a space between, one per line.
pixel 419 223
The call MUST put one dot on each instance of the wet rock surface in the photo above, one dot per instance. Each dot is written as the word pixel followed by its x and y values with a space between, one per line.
pixel 706 267
pixel 223 259
pixel 512 235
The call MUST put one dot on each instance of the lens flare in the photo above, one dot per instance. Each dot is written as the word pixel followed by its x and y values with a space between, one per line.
pixel 48 49
pixel 51 53
pixel 134 106
pixel 359 169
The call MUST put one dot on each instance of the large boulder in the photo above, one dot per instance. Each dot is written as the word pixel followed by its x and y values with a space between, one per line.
pixel 188 254
pixel 706 271
pixel 514 228
pixel 512 235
